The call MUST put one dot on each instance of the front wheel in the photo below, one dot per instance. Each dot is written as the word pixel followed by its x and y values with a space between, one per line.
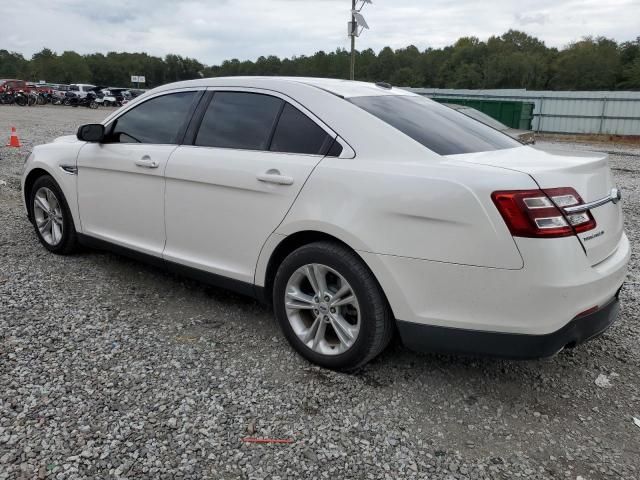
pixel 51 216
pixel 330 307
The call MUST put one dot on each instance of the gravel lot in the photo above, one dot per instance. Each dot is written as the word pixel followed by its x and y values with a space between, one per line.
pixel 112 369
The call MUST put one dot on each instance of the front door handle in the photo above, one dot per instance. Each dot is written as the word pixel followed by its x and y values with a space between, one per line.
pixel 146 162
pixel 274 176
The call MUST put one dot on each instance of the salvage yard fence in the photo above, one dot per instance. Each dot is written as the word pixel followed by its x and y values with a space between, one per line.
pixel 603 112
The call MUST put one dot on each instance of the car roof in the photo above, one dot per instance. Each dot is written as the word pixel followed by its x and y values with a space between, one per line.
pixel 339 87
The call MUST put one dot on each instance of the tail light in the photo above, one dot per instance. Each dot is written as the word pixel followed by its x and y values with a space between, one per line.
pixel 538 213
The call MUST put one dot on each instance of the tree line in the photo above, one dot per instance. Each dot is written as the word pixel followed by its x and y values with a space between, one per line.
pixel 512 60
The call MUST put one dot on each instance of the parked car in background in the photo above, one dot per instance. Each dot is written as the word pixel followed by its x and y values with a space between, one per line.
pixel 526 137
pixel 115 96
pixel 14 85
pixel 81 89
pixel 356 209
pixel 44 88
pixel 135 92
pixel 59 87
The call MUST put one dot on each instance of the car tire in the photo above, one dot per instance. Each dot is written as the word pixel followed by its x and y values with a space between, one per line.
pixel 64 240
pixel 342 269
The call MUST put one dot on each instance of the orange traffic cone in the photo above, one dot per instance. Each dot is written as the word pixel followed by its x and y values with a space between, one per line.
pixel 14 141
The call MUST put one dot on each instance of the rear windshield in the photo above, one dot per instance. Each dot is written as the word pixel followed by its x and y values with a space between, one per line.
pixel 480 116
pixel 439 128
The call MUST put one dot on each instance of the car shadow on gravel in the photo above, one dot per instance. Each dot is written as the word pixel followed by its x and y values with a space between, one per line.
pixel 191 297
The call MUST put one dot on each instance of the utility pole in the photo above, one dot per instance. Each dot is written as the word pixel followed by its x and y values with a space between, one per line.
pixel 354 31
pixel 356 26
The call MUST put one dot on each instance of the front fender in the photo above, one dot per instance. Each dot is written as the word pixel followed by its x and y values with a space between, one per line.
pixel 50 159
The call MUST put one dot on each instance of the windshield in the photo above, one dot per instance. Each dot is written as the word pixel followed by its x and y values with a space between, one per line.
pixel 435 126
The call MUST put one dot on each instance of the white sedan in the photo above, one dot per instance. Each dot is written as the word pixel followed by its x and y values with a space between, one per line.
pixel 358 210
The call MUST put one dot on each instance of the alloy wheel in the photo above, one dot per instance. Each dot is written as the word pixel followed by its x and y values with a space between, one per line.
pixel 47 213
pixel 322 309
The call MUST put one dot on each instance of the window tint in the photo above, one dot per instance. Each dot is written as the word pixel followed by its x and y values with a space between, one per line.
pixel 239 120
pixel 156 121
pixel 335 150
pixel 435 126
pixel 297 133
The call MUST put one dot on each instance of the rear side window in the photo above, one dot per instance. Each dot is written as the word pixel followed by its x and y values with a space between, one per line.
pixel 158 120
pixel 297 133
pixel 239 120
pixel 439 128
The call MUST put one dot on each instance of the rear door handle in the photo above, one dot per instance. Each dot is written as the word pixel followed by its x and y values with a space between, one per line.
pixel 146 162
pixel 274 176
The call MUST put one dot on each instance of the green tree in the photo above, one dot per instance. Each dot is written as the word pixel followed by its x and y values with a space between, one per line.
pixel 590 64
pixel 45 65
pixel 74 68
pixel 13 65
pixel 514 59
pixel 630 59
pixel 406 77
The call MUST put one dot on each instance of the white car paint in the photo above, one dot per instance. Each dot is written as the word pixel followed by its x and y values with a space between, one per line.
pixel 81 89
pixel 425 224
pixel 119 201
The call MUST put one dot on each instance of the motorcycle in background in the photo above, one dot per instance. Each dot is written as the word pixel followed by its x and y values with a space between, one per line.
pixel 91 100
pixel 7 97
pixel 70 98
pixel 32 98
pixel 21 98
pixel 44 98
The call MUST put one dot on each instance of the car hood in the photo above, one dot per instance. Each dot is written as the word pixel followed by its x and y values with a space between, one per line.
pixel 67 139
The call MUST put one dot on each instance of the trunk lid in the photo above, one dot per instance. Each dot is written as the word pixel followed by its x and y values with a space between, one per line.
pixel 588 173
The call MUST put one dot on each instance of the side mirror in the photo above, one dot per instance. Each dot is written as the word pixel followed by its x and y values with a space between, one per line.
pixel 92 132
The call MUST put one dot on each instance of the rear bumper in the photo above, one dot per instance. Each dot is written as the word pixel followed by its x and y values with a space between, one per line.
pixel 421 337
pixel 556 284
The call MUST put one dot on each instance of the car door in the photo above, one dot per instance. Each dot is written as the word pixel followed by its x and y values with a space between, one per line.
pixel 121 181
pixel 229 190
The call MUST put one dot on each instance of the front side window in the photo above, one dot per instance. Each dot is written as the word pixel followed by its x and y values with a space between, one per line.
pixel 437 127
pixel 239 120
pixel 158 120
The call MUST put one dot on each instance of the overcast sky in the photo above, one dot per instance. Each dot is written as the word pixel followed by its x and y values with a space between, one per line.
pixel 215 30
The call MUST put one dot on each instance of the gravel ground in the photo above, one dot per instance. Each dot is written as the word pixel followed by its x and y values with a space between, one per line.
pixel 112 369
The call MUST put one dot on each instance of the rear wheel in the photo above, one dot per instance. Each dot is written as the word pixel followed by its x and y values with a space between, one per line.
pixel 51 216
pixel 330 307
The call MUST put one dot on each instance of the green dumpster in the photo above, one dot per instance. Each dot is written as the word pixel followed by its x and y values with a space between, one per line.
pixel 513 114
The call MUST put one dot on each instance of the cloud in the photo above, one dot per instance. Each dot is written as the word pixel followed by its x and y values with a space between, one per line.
pixel 215 30
pixel 524 19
